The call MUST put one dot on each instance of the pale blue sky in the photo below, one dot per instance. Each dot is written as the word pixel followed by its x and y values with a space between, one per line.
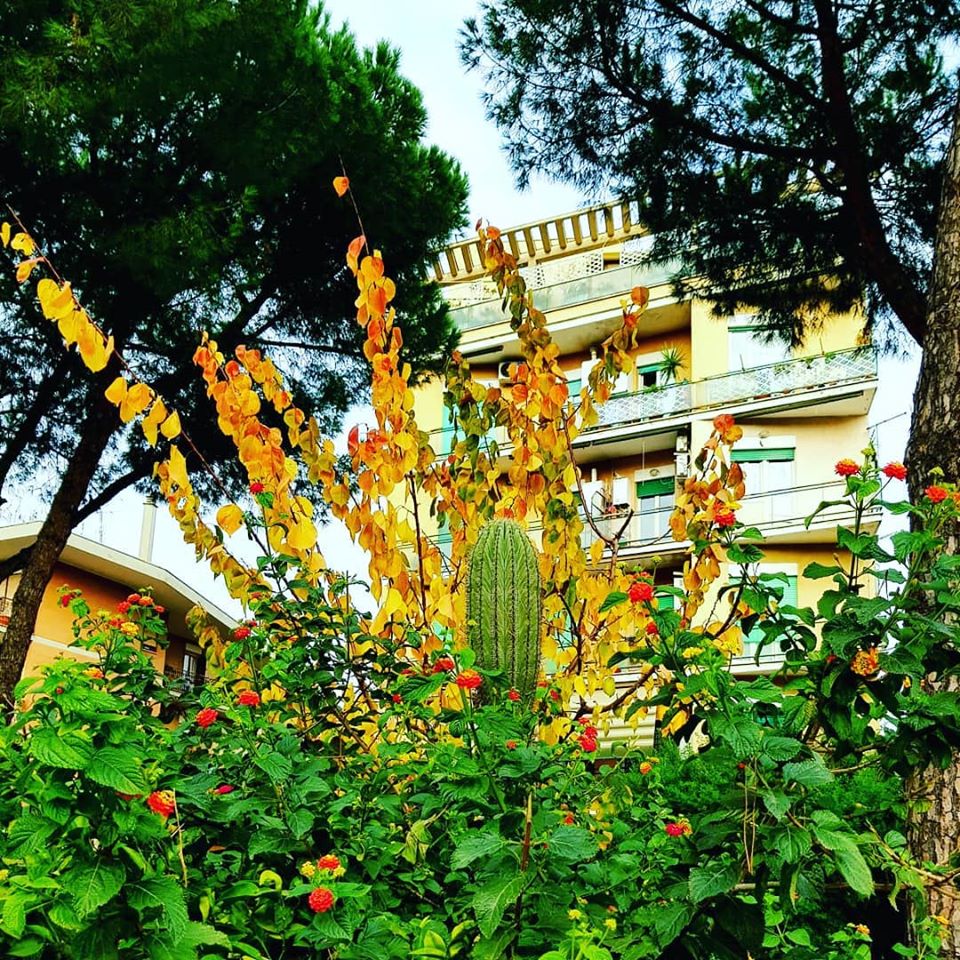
pixel 426 33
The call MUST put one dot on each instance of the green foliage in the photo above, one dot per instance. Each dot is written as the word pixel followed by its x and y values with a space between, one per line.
pixel 504 605
pixel 182 151
pixel 778 829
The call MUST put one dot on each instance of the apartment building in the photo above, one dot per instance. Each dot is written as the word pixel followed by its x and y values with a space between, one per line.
pixel 801 409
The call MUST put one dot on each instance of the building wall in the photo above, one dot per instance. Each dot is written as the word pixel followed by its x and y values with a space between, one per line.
pixel 54 628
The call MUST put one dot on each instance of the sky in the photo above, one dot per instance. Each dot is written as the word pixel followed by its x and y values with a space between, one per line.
pixel 426 32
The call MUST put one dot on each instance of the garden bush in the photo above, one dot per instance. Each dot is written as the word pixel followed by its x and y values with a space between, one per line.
pixel 354 784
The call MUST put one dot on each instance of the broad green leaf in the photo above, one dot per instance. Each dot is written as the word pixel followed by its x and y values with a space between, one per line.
pixel 741 734
pixel 185 948
pixel 474 847
pixel 792 843
pixel 275 765
pixel 27 947
pixel 572 844
pixel 808 773
pixel 777 802
pixel 63 915
pixel 492 899
pixel 300 822
pixel 670 921
pixel 494 948
pixel 611 600
pixel 712 879
pixel 15 914
pixel 780 748
pixel 117 767
pixel 854 869
pixel 816 571
pixel 94 884
pixel 163 894
pixel 59 750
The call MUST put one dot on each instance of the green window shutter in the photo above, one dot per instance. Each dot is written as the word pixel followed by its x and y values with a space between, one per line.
pixel 758 455
pixel 655 488
pixel 752 640
pixel 649 368
pixel 574 387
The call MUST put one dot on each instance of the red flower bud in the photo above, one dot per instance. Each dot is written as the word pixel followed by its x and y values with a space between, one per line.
pixel 321 900
pixel 640 590
pixel 206 717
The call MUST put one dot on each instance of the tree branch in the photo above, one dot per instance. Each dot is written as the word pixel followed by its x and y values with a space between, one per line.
pixel 877 259
pixel 92 505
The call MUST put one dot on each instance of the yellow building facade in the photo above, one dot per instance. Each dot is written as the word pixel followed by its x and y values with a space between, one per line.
pixel 801 409
pixel 106 577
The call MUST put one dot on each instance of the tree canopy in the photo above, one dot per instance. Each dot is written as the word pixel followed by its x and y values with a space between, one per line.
pixel 770 144
pixel 174 159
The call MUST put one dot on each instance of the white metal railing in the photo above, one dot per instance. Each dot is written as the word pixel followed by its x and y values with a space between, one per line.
pixel 556 238
pixel 776 379
pixel 787 375
pixel 787 506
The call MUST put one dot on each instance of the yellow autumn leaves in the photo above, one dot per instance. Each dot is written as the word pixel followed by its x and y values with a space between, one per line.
pixel 60 306
pixel 133 400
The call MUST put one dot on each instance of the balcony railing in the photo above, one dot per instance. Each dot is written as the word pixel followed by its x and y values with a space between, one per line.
pixel 773 380
pixel 186 680
pixel 786 507
pixel 478 305
pixel 786 378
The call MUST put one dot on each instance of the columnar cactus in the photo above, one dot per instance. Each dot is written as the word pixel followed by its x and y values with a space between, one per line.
pixel 504 604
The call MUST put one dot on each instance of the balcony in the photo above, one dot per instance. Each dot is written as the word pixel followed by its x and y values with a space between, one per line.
pixel 790 379
pixel 478 305
pixel 184 680
pixel 787 378
pixel 777 513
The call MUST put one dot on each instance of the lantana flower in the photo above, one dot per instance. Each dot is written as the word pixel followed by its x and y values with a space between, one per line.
pixel 640 590
pixel 206 717
pixel 321 900
pixel 162 802
pixel 469 680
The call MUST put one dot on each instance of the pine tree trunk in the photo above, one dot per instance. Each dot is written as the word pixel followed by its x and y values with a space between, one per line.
pixel 934 443
pixel 95 434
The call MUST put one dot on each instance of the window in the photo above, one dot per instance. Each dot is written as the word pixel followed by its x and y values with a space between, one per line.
pixel 749 349
pixel 650 375
pixel 655 502
pixel 767 471
pixel 192 671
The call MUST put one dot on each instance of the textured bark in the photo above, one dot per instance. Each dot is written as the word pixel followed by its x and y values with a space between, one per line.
pixel 95 434
pixel 934 443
